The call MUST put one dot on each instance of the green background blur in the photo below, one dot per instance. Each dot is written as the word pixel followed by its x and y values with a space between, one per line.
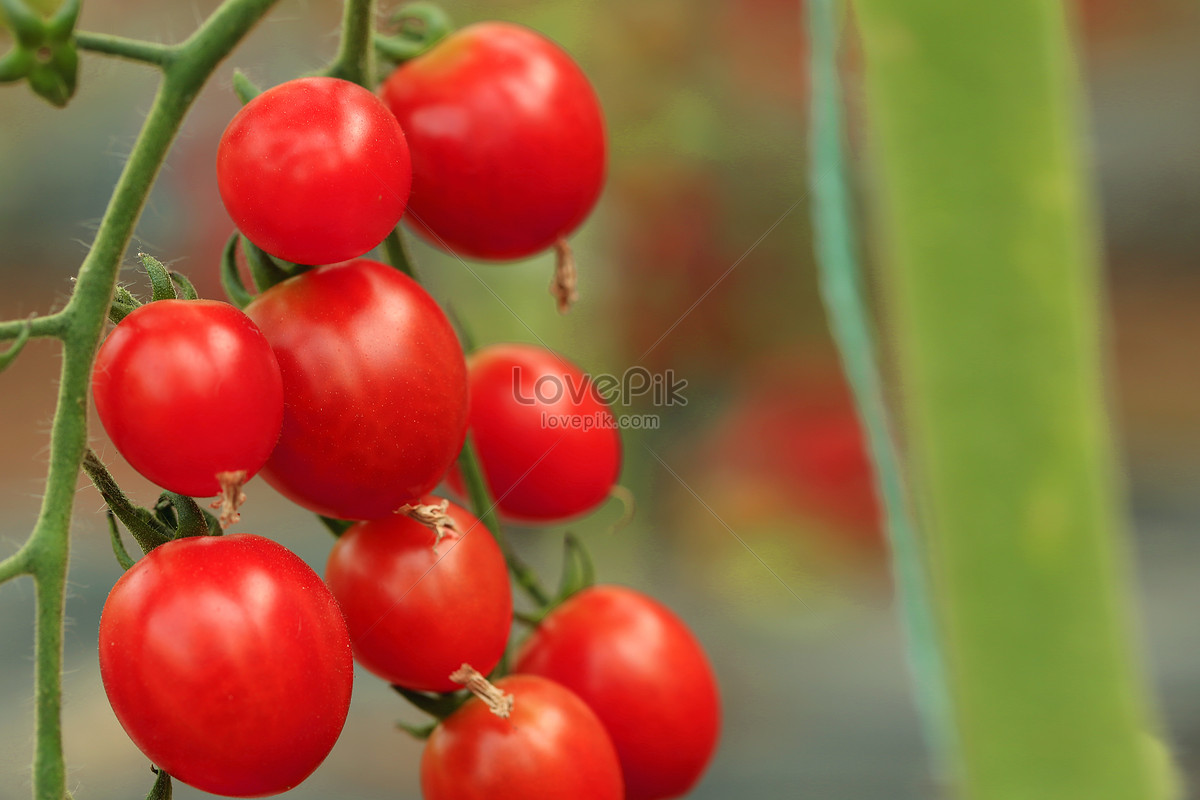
pixel 697 260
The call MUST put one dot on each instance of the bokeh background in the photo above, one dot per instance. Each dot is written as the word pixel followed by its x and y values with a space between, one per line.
pixel 698 260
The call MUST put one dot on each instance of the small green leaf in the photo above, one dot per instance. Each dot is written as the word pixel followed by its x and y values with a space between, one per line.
pixel 15 65
pixel 336 526
pixel 244 88
pixel 118 547
pixel 185 286
pixel 160 278
pixel 191 518
pixel 263 269
pixel 231 281
pixel 29 27
pixel 420 26
pixel 62 23
pixel 579 572
pixel 435 705
pixel 418 732
pixel 164 511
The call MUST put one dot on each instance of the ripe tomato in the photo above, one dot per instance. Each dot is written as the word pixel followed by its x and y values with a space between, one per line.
pixel 227 662
pixel 507 140
pixel 314 170
pixel 547 441
pixel 640 669
pixel 187 390
pixel 376 389
pixel 551 747
pixel 415 615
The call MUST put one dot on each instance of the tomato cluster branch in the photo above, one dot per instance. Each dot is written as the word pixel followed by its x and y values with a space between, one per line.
pixel 355 58
pixel 158 55
pixel 79 326
pixel 484 508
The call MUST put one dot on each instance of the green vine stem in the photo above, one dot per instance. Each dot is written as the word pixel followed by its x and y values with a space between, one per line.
pixel 159 55
pixel 356 53
pixel 849 318
pixel 79 325
pixel 994 293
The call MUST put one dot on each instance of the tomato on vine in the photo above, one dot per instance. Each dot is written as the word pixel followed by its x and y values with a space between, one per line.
pixel 549 746
pixel 314 171
pixel 546 439
pixel 415 611
pixel 376 389
pixel 227 662
pixel 190 393
pixel 637 665
pixel 507 140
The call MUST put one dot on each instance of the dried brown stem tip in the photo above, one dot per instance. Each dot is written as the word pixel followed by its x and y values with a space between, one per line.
pixel 500 703
pixel 231 497
pixel 564 284
pixel 434 517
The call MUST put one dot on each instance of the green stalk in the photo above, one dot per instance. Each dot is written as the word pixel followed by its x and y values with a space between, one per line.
pixel 993 287
pixel 45 555
pixel 849 321
pixel 356 53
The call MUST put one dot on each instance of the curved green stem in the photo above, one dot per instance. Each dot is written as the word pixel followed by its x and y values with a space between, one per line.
pixel 38 327
pixel 484 508
pixel 396 253
pixel 355 58
pixel 15 565
pixel 79 326
pixel 159 55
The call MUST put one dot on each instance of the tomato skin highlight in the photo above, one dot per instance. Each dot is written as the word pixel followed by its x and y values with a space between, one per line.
pixel 227 661
pixel 375 389
pixel 551 747
pixel 507 140
pixel 416 615
pixel 539 473
pixel 187 389
pixel 314 170
pixel 635 664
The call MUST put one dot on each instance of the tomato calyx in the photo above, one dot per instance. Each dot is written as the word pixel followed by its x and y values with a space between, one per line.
pixel 564 285
pixel 434 516
pixel 175 516
pixel 163 283
pixel 500 703
pixel 444 704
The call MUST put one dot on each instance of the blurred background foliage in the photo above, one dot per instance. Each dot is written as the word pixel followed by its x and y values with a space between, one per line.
pixel 763 532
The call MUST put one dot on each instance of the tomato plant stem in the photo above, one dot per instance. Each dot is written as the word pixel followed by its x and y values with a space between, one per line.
pixel 484 508
pixel 355 59
pixel 39 327
pixel 842 291
pixel 993 287
pixel 159 55
pixel 396 252
pixel 79 325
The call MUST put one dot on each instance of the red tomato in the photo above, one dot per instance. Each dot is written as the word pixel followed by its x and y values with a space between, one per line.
pixel 189 389
pixel 227 662
pixel 415 615
pixel 644 674
pixel 314 170
pixel 507 140
pixel 376 389
pixel 547 441
pixel 551 747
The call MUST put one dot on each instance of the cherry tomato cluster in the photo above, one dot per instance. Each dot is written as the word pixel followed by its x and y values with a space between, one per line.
pixel 227 659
